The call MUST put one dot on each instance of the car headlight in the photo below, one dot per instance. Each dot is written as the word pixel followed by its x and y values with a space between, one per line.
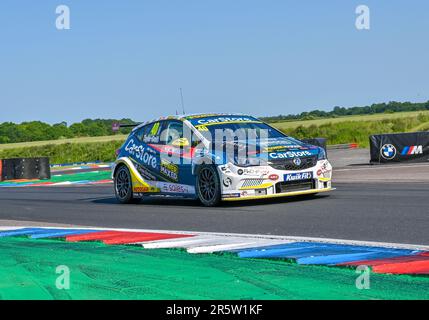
pixel 322 154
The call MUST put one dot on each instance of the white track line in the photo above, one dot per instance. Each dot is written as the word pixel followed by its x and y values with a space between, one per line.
pixel 179 243
pixel 253 236
pixel 235 246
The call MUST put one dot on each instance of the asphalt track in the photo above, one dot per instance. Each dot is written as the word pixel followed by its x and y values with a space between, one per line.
pixel 371 203
pixel 374 212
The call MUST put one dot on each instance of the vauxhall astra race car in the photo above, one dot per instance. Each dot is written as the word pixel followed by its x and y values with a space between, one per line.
pixel 214 158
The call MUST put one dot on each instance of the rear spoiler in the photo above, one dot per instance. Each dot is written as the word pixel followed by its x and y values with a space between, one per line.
pixel 116 126
pixel 129 125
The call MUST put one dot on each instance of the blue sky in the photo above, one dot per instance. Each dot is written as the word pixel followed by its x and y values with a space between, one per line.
pixel 128 58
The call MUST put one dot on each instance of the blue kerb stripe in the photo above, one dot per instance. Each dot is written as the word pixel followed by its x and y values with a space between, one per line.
pixel 405 151
pixel 352 257
pixel 301 250
pixel 41 232
pixel 60 233
pixel 20 232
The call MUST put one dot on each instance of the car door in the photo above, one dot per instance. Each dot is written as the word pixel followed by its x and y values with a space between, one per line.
pixel 176 157
pixel 148 156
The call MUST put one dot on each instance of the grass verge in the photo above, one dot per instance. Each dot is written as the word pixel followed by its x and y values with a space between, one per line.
pixel 97 271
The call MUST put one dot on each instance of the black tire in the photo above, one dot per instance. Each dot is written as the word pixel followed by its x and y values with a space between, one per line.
pixel 123 185
pixel 208 186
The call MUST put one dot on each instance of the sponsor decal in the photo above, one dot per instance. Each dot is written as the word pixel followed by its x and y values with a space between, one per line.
pixel 170 170
pixel 144 189
pixel 151 139
pixel 254 172
pixel 412 150
pixel 227 182
pixel 144 154
pixel 281 148
pixel 298 176
pixel 231 195
pixel 153 136
pixel 290 154
pixel 223 120
pixel 141 189
pixel 175 188
pixel 273 177
pixel 324 171
pixel 146 174
pixel 199 116
pixel 388 151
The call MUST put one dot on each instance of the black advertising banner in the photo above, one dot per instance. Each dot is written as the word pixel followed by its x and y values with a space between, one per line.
pixel 400 147
pixel 25 168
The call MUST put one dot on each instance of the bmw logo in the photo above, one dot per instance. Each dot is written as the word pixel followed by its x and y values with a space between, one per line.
pixel 297 161
pixel 388 151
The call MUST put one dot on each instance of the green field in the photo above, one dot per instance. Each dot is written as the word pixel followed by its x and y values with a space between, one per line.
pixel 349 129
pixel 62 141
pixel 372 117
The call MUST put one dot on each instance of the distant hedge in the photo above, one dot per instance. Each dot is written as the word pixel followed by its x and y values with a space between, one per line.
pixel 359 131
pixel 39 131
pixel 67 152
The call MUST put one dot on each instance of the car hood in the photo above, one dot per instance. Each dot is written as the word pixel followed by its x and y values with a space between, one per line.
pixel 268 149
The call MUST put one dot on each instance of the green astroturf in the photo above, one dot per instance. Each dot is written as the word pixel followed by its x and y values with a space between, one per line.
pixel 72 177
pixel 98 271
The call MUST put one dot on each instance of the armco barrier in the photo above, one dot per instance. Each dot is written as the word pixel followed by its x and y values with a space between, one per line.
pixel 24 168
pixel 399 147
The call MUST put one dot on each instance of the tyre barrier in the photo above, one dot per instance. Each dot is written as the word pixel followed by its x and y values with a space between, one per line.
pixel 399 147
pixel 25 168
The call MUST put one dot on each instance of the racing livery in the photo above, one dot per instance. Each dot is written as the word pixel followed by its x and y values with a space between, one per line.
pixel 217 157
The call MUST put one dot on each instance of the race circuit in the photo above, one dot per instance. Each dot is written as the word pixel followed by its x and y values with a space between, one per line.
pixel 371 203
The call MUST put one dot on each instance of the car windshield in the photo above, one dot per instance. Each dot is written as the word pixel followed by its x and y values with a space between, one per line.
pixel 242 130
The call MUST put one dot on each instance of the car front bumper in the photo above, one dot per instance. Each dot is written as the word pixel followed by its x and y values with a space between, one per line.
pixel 263 182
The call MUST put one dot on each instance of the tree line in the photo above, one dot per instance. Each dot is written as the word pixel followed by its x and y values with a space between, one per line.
pixel 389 107
pixel 38 131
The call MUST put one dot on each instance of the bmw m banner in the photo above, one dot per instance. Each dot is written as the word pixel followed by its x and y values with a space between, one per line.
pixel 400 147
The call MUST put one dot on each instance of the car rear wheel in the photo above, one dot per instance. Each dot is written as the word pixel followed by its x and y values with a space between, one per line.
pixel 123 185
pixel 208 186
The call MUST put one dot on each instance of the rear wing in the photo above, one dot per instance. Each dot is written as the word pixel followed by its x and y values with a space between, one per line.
pixel 116 126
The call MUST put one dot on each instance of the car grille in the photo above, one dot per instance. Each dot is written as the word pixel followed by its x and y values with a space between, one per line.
pixel 287 164
pixel 252 183
pixel 283 187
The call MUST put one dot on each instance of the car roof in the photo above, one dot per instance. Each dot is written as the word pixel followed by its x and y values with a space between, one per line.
pixel 186 116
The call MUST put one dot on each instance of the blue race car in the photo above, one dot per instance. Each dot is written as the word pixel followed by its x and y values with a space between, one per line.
pixel 217 157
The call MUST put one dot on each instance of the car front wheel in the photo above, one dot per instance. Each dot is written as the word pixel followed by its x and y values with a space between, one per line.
pixel 208 186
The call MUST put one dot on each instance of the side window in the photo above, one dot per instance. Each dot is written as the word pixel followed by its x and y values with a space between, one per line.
pixel 173 134
pixel 141 132
pixel 151 133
